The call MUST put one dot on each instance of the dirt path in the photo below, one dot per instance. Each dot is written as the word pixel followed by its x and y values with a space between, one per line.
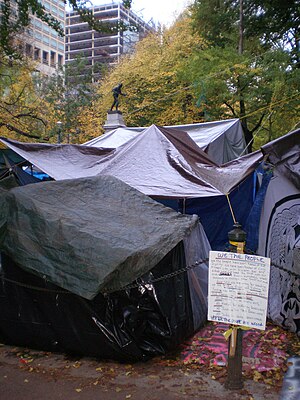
pixel 33 375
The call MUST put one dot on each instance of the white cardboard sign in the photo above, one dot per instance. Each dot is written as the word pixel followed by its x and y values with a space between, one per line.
pixel 238 288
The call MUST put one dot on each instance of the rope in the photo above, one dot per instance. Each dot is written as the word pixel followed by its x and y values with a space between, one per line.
pixel 158 279
pixel 254 136
pixel 210 77
pixel 113 289
pixel 231 209
pixel 27 286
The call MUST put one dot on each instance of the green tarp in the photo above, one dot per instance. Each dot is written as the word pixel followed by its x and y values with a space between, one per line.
pixel 88 235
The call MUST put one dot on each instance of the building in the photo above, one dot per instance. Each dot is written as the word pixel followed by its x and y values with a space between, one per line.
pixel 99 48
pixel 41 42
pixel 47 46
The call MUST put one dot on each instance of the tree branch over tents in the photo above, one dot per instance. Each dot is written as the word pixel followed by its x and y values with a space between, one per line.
pixel 253 61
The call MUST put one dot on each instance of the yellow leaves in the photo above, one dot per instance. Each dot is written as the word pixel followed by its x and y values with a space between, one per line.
pixel 150 77
pixel 78 390
pixel 21 109
pixel 257 376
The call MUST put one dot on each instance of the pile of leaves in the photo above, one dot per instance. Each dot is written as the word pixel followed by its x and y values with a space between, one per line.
pixel 265 353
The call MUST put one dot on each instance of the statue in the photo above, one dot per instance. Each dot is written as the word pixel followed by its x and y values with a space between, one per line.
pixel 117 90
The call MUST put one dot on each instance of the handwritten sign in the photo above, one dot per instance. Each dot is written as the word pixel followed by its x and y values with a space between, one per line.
pixel 238 288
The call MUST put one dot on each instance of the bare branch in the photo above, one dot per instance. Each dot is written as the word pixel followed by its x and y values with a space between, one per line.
pixel 231 108
pixel 258 123
pixel 17 99
pixel 19 131
pixel 31 115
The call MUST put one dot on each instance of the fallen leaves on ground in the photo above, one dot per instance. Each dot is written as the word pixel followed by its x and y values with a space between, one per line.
pixel 273 348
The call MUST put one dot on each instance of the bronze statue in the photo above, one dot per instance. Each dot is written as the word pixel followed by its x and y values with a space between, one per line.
pixel 117 90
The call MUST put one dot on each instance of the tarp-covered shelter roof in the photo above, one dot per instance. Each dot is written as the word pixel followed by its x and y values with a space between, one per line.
pixel 88 235
pixel 285 155
pixel 159 162
pixel 221 140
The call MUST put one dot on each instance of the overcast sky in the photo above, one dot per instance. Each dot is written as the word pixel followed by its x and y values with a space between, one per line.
pixel 163 11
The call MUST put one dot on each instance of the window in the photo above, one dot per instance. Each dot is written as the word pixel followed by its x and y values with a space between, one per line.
pixel 45 57
pixel 52 58
pixel 37 53
pixel 59 59
pixel 28 49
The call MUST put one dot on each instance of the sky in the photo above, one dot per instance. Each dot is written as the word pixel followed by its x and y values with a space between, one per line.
pixel 161 11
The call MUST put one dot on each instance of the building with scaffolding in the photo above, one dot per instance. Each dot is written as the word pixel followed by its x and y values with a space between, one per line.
pixel 101 49
pixel 40 42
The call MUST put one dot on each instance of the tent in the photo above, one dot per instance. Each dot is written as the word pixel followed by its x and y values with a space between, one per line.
pixel 159 162
pixel 279 230
pixel 165 164
pixel 9 158
pixel 70 250
pixel 223 141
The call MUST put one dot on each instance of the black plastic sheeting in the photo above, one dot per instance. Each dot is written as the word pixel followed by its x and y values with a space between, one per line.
pixel 128 325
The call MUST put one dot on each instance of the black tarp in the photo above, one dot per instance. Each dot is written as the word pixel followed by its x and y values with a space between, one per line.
pixel 61 240
pixel 128 325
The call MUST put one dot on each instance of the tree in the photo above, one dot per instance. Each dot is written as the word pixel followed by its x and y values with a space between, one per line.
pixel 276 23
pixel 15 17
pixel 71 94
pixel 23 114
pixel 232 75
pixel 156 93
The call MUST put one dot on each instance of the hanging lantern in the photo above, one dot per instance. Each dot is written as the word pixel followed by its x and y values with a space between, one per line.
pixel 237 239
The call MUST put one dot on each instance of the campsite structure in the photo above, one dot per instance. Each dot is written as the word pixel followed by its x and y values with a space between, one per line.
pixel 223 141
pixel 80 244
pixel 169 166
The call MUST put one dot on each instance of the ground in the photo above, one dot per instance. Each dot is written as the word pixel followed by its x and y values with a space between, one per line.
pixel 34 375
pixel 195 370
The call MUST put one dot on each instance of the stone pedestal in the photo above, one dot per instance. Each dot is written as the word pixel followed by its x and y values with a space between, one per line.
pixel 114 120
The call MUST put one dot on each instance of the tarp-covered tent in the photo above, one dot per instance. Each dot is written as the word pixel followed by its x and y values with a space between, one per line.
pixel 223 140
pixel 279 232
pixel 8 158
pixel 70 248
pixel 159 162
pixel 165 164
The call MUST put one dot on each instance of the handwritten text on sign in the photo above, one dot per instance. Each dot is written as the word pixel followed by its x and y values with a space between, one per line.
pixel 238 289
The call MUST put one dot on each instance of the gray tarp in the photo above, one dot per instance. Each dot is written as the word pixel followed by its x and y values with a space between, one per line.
pixel 284 154
pixel 159 162
pixel 88 235
pixel 223 141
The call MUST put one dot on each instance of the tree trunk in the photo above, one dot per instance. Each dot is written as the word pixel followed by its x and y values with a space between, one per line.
pixel 241 29
pixel 248 135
